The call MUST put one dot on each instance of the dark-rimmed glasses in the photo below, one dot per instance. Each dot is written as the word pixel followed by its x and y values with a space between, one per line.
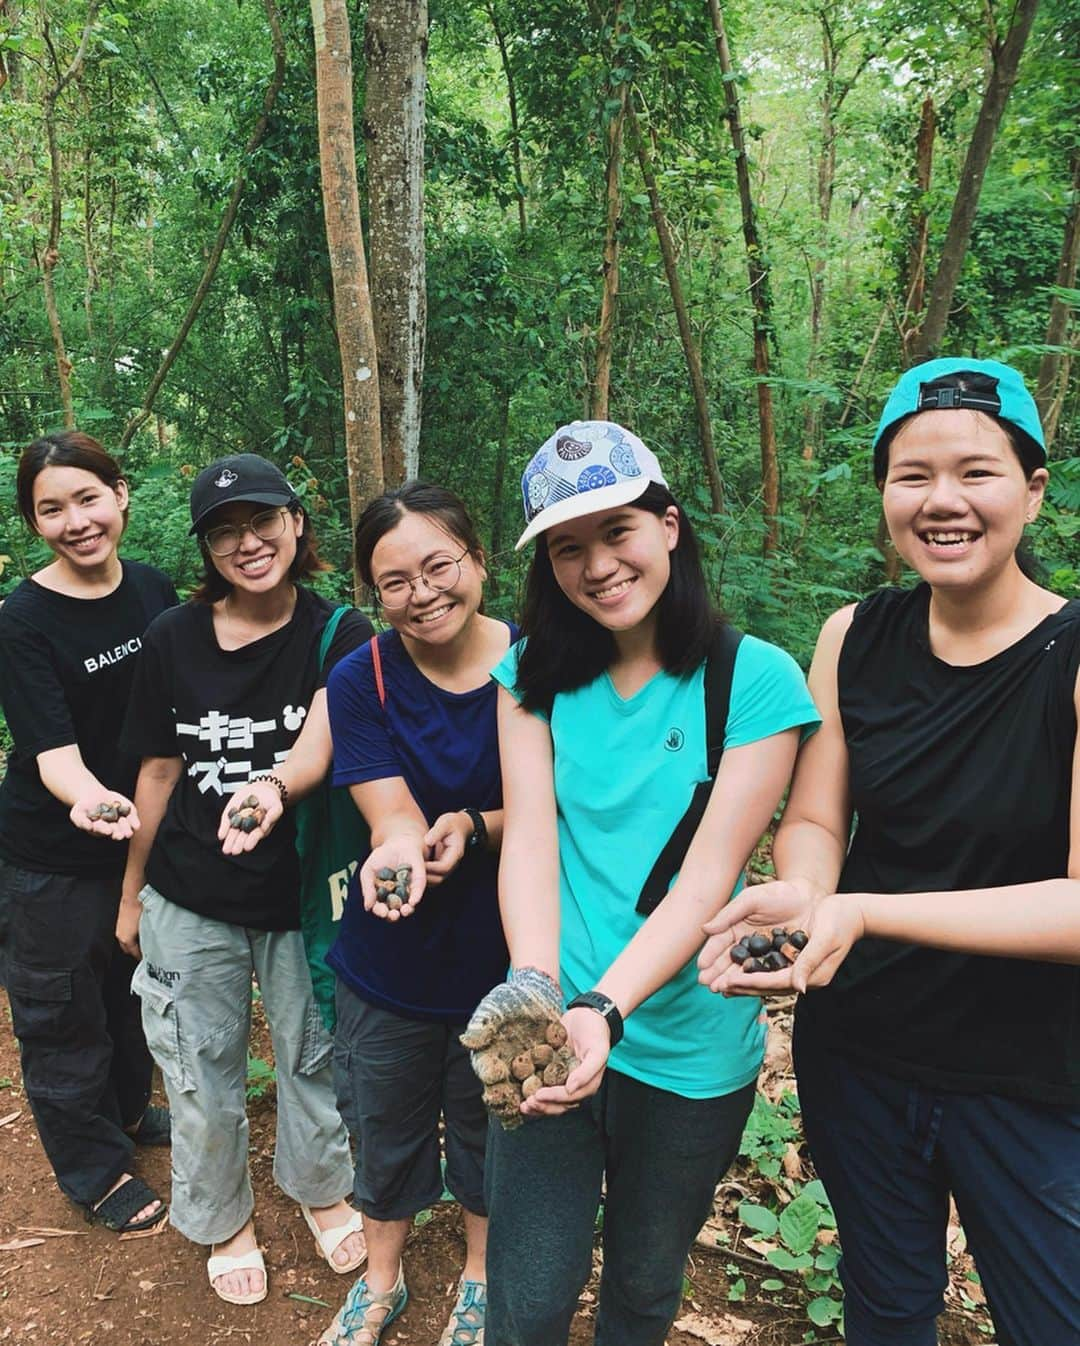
pixel 226 539
pixel 439 572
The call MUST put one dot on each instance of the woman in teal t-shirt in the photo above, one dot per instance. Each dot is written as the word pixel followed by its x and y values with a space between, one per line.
pixel 618 625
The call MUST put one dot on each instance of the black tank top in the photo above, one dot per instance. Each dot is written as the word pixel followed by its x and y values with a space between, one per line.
pixel 960 778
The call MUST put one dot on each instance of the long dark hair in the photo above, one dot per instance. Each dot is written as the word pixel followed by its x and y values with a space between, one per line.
pixel 307 562
pixel 66 448
pixel 566 648
pixel 386 511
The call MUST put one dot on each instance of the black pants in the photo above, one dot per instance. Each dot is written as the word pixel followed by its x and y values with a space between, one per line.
pixel 86 1068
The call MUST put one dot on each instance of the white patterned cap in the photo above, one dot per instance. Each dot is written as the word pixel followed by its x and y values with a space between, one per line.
pixel 584 467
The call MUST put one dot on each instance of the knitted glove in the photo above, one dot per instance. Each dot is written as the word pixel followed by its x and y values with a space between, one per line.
pixel 517 1042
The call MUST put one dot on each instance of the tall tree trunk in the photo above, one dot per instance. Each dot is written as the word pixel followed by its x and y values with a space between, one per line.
pixel 826 178
pixel 1005 60
pixel 759 291
pixel 915 271
pixel 224 228
pixel 512 103
pixel 682 317
pixel 395 49
pixel 1050 365
pixel 610 298
pixel 51 256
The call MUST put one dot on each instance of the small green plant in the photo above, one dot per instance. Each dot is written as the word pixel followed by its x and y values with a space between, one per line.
pixel 770 1129
pixel 260 1078
pixel 796 1229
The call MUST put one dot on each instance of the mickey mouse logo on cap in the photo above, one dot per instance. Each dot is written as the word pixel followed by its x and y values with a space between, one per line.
pixel 226 479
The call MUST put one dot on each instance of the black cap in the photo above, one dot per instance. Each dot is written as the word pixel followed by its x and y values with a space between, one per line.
pixel 241 476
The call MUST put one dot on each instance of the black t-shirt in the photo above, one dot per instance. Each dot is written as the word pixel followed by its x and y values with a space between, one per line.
pixel 231 715
pixel 66 666
pixel 961 777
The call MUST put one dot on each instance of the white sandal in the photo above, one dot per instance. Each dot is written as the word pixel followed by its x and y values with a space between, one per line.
pixel 221 1264
pixel 327 1241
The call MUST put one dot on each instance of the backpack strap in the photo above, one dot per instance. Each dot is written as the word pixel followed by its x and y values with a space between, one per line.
pixel 376 663
pixel 719 673
pixel 329 631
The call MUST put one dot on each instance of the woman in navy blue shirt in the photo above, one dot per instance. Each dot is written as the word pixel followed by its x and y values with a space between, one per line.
pixel 412 717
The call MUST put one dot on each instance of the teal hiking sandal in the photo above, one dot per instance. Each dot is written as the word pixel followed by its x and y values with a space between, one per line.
pixel 366 1314
pixel 466 1325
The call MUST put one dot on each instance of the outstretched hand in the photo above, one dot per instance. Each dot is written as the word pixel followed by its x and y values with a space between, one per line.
pixel 394 854
pixel 106 814
pixel 833 924
pixel 268 811
pixel 589 1038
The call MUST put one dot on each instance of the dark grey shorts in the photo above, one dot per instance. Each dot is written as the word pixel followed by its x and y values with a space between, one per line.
pixel 395 1079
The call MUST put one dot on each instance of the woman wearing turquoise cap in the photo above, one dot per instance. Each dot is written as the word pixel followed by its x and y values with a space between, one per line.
pixel 938 1048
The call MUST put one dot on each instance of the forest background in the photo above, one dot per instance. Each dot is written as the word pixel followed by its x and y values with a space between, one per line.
pixel 725 227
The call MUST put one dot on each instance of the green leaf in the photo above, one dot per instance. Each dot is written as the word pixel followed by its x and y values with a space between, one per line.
pixel 799 1224
pixel 422 1217
pixel 772 1284
pixel 737 1290
pixel 828 1258
pixel 759 1218
pixel 308 1299
pixel 785 1261
pixel 823 1310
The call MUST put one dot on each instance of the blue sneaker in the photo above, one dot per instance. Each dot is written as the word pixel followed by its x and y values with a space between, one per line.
pixel 466 1325
pixel 365 1314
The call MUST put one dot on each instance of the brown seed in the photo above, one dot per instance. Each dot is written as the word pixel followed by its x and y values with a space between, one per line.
pixel 122 808
pixel 521 1067
pixel 394 902
pixel 384 873
pixel 490 1067
pixel 555 1073
pixel 790 952
pixel 503 1099
pixel 247 824
pixel 542 1054
pixel 530 1086
pixel 108 814
pixel 251 802
pixel 555 1034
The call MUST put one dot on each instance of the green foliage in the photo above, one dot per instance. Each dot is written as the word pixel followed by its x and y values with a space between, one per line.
pixel 261 1078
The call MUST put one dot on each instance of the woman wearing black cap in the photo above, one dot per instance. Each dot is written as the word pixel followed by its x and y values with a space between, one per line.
pixel 69 641
pixel 229 682
pixel 940 1051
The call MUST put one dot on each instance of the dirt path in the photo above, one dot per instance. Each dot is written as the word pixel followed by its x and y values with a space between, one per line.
pixel 86 1287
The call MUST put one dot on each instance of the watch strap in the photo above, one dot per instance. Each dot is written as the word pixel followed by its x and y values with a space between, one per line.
pixel 604 1006
pixel 479 834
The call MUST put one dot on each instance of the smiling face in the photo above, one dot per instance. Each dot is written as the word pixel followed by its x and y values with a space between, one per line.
pixel 615 564
pixel 433 616
pixel 956 498
pixel 259 565
pixel 78 515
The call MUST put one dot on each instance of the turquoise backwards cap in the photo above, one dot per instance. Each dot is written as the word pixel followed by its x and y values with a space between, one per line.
pixel 989 386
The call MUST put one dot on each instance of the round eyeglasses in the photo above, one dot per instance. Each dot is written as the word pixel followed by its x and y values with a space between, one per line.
pixel 439 573
pixel 225 540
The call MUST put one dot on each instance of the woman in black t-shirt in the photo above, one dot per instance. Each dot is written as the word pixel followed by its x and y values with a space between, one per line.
pixel 68 640
pixel 940 1051
pixel 227 685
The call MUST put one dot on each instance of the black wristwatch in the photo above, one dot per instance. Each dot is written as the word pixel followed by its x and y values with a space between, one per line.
pixel 479 833
pixel 605 1007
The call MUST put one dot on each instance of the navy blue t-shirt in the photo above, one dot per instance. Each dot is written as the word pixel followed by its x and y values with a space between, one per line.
pixel 450 952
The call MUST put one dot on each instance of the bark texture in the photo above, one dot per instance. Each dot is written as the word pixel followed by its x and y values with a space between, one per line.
pixel 759 290
pixel 1052 363
pixel 682 316
pixel 345 245
pixel 610 266
pixel 1004 62
pixel 395 50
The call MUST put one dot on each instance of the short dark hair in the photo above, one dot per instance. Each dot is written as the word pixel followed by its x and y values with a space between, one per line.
pixel 65 448
pixel 565 648
pixel 385 512
pixel 307 562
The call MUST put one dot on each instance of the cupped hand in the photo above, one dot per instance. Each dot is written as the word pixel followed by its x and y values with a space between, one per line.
pixel 833 924
pixel 445 843
pixel 235 841
pixel 589 1039
pixel 119 830
pixel 394 853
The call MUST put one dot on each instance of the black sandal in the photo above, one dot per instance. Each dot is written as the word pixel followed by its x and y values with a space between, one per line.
pixel 119 1208
pixel 155 1127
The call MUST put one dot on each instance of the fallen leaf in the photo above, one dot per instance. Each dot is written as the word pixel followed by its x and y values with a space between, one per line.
pixel 727 1331
pixel 793 1165
pixel 48 1233
pixel 11 1117
pixel 760 1246
pixel 153 1232
pixel 15 1244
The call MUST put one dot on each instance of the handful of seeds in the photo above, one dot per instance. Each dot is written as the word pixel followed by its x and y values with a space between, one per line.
pixel 392 886
pixel 109 811
pixel 247 816
pixel 518 1046
pixel 765 953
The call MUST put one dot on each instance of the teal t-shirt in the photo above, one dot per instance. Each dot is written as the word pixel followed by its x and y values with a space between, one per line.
pixel 624 774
